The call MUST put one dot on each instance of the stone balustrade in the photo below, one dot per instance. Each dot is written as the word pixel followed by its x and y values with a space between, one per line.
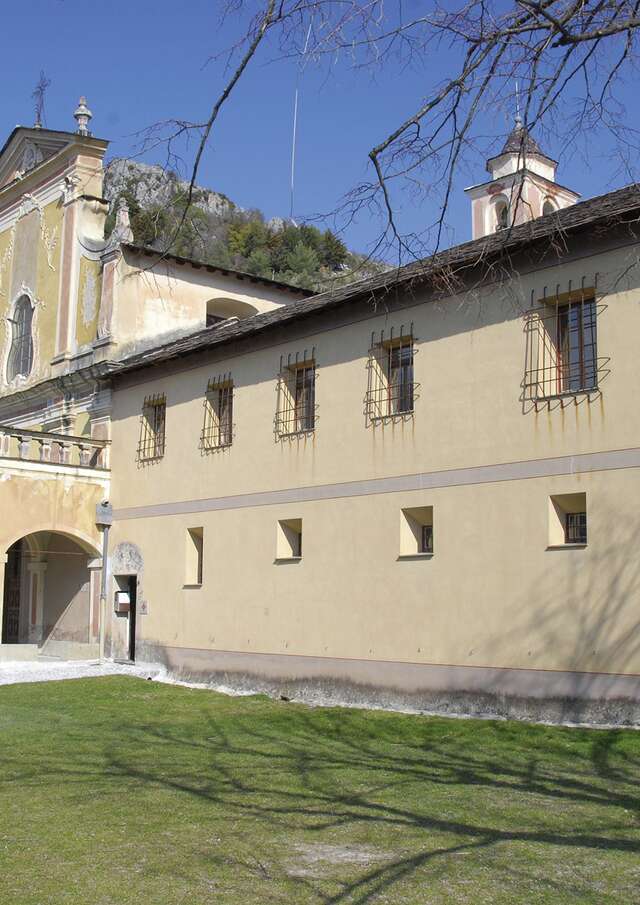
pixel 56 449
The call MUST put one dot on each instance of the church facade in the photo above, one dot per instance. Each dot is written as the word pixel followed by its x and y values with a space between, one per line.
pixel 415 491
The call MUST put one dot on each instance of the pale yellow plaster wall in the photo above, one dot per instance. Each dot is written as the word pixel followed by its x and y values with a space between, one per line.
pixel 469 364
pixel 492 594
pixel 49 263
pixel 6 242
pixel 156 299
pixel 88 308
pixel 30 262
pixel 82 425
pixel 47 501
pixel 36 499
pixel 43 222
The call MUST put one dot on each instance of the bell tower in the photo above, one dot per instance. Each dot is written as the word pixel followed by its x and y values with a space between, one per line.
pixel 522 186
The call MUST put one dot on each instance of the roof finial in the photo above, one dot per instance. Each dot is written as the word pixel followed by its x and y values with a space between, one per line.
pixel 518 117
pixel 122 231
pixel 83 116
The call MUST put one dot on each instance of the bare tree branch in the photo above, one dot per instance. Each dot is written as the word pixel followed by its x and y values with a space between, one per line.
pixel 570 56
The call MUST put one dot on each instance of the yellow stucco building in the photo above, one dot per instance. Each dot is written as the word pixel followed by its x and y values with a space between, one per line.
pixel 418 490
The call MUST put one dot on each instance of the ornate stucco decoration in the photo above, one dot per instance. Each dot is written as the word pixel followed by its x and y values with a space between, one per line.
pixel 89 298
pixel 5 260
pixel 28 203
pixel 49 240
pixel 31 157
pixel 122 231
pixel 69 190
pixel 48 236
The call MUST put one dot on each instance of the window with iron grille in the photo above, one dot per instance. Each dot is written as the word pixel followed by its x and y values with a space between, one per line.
pixel 568 520
pixel 392 390
pixel 416 531
pixel 575 528
pixel 20 359
pixel 217 430
pixel 296 413
pixel 426 539
pixel 152 428
pixel 562 347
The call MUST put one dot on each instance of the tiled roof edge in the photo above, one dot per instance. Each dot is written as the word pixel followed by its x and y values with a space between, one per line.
pixel 602 208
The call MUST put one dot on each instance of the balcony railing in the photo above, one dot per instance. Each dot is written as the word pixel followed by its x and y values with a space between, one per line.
pixel 17 443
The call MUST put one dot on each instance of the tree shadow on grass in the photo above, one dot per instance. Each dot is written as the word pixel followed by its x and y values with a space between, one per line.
pixel 427 789
pixel 294 775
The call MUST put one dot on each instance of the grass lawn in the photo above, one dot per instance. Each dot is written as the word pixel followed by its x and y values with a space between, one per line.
pixel 115 790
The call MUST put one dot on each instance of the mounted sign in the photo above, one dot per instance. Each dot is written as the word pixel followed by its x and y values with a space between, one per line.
pixel 122 603
pixel 104 514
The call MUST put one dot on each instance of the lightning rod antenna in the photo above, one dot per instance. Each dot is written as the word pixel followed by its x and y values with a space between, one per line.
pixel 295 123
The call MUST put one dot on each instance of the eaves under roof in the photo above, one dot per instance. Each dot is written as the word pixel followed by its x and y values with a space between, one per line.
pixel 604 209
pixel 524 171
pixel 50 142
pixel 213 268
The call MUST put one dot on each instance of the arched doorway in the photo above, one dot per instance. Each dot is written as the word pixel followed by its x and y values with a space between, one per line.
pixel 51 595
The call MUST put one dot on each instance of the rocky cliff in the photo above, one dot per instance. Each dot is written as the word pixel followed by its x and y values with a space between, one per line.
pixel 215 230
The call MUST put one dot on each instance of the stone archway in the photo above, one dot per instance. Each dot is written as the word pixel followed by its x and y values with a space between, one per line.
pixel 51 595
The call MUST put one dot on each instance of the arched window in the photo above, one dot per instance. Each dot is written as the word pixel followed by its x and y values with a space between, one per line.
pixel 548 208
pixel 502 214
pixel 221 309
pixel 21 351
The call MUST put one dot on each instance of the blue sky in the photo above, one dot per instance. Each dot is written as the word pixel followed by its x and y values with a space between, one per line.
pixel 143 61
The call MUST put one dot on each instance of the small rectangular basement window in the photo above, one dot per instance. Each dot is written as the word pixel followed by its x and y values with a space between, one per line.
pixel 568 520
pixel 416 531
pixel 289 539
pixel 194 556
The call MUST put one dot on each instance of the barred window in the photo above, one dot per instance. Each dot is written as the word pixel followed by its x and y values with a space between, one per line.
pixel 567 520
pixel 416 531
pixel 217 430
pixel 152 428
pixel 296 413
pixel 20 359
pixel 562 348
pixel 575 528
pixel 391 388
pixel 426 539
